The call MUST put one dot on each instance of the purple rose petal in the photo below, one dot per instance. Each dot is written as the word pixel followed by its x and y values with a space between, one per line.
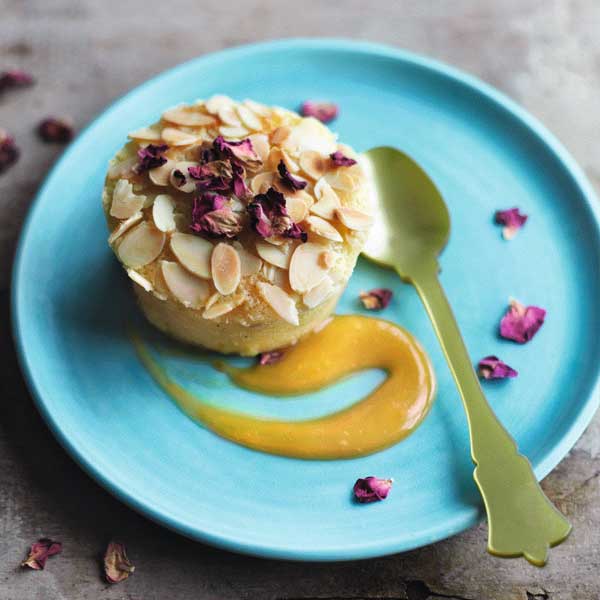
pixel 211 215
pixel 40 552
pixel 215 176
pixel 9 152
pixel 372 489
pixel 491 367
pixel 268 215
pixel 151 156
pixel 323 111
pixel 56 130
pixel 288 178
pixel 339 160
pixel 376 299
pixel 521 323
pixel 15 78
pixel 241 151
pixel 512 220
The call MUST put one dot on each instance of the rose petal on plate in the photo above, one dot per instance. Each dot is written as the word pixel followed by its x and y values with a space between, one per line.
pixel 39 553
pixel 323 111
pixel 521 323
pixel 512 220
pixel 376 299
pixel 372 489
pixel 491 367
pixel 117 566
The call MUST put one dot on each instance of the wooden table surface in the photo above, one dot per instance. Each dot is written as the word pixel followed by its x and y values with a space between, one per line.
pixel 543 53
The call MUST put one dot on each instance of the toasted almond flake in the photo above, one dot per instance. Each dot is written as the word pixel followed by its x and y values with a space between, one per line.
pixel 306 270
pixel 323 228
pixel 250 264
pixel 280 302
pixel 262 182
pixel 249 119
pixel 213 299
pixel 326 259
pixel 122 168
pixel 189 185
pixel 140 246
pixel 276 155
pixel 327 200
pixel 310 134
pixel 190 290
pixel 123 226
pixel 176 137
pixel 141 281
pixel 354 219
pixel 226 268
pixel 260 143
pixel 319 293
pixel 193 253
pixel 257 108
pixel 124 202
pixel 314 164
pixel 275 275
pixel 160 175
pixel 180 115
pixel 163 212
pixel 340 179
pixel 296 208
pixel 218 309
pixel 280 135
pixel 233 132
pixel 275 255
pixel 276 240
pixel 145 134
pixel 214 104
pixel 228 115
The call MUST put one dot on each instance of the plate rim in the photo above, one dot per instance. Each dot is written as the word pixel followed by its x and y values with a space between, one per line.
pixel 239 544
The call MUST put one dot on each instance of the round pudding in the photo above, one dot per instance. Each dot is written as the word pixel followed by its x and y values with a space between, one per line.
pixel 239 224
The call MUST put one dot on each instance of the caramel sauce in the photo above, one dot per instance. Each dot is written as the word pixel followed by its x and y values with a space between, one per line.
pixel 346 345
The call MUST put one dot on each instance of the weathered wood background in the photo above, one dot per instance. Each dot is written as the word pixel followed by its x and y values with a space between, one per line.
pixel 543 53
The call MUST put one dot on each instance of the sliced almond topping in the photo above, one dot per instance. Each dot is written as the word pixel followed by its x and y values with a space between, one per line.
pixel 262 182
pixel 310 134
pixel 327 200
pixel 276 155
pixel 319 293
pixel 160 175
pixel 275 275
pixel 275 255
pixel 354 219
pixel 181 115
pixel 140 246
pixel 250 264
pixel 123 226
pixel 190 290
pixel 214 104
pixel 124 202
pixel 213 299
pixel 163 212
pixel 193 253
pixel 276 240
pixel 323 228
pixel 190 185
pixel 226 268
pixel 280 135
pixel 260 143
pixel 257 108
pixel 145 134
pixel 229 116
pixel 176 137
pixel 249 119
pixel 306 270
pixel 280 302
pixel 218 309
pixel 233 132
pixel 122 168
pixel 314 164
pixel 141 281
pixel 296 208
pixel 326 259
pixel 340 179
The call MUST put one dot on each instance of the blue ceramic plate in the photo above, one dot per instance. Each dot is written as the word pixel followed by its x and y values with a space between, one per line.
pixel 71 301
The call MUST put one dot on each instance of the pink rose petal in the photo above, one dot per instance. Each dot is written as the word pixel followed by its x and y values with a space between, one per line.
pixel 376 299
pixel 40 552
pixel 323 111
pixel 521 323
pixel 339 160
pixel 491 367
pixel 372 489
pixel 512 220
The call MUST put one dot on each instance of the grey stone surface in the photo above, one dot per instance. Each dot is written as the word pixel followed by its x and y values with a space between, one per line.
pixel 543 53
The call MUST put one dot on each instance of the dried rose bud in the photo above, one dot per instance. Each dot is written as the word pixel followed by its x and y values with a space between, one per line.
pixel 151 156
pixel 376 299
pixel 512 220
pixel 268 214
pixel 15 78
pixel 269 358
pixel 55 130
pixel 521 323
pixel 9 152
pixel 323 111
pixel 491 367
pixel 117 567
pixel 287 178
pixel 40 552
pixel 241 151
pixel 339 160
pixel 372 489
pixel 212 215
pixel 215 176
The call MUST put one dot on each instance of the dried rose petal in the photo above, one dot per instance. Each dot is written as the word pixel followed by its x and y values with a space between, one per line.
pixel 491 367
pixel 269 358
pixel 339 160
pixel 239 184
pixel 15 78
pixel 40 552
pixel 151 156
pixel 376 299
pixel 9 152
pixel 268 215
pixel 324 111
pixel 53 129
pixel 288 178
pixel 179 177
pixel 212 215
pixel 521 323
pixel 242 151
pixel 512 220
pixel 372 489
pixel 117 567
pixel 215 176
pixel 295 232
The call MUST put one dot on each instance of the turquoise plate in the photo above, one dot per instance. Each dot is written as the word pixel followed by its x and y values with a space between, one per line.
pixel 71 303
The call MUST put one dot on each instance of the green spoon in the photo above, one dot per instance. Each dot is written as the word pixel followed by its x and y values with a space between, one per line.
pixel 411 228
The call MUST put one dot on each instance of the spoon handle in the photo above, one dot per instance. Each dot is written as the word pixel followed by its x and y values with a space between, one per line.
pixel 521 519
